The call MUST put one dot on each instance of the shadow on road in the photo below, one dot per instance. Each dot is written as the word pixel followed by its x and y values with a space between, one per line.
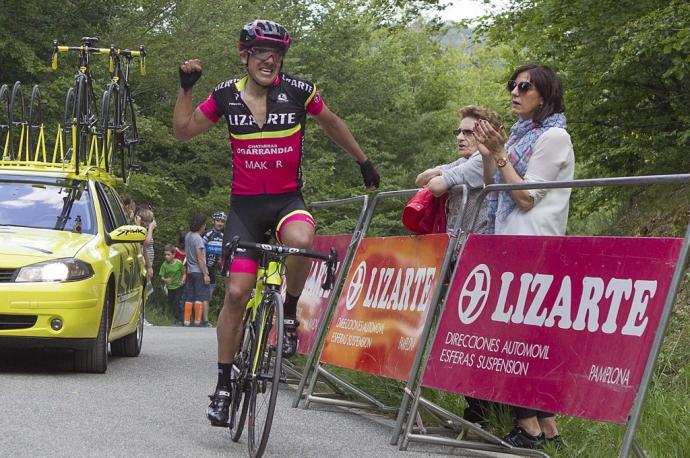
pixel 35 361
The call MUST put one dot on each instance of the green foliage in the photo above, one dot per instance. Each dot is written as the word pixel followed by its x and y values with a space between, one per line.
pixel 625 70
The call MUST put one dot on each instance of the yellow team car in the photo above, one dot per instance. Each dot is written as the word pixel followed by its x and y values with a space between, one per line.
pixel 71 267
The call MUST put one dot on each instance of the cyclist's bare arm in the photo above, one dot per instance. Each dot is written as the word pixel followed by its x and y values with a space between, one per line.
pixel 187 121
pixel 337 130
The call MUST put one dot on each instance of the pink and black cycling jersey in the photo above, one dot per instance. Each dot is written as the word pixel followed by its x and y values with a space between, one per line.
pixel 266 159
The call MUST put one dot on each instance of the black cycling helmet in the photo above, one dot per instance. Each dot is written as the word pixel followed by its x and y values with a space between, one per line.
pixel 219 215
pixel 265 32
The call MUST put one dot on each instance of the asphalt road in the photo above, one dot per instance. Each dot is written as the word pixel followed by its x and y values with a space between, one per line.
pixel 154 405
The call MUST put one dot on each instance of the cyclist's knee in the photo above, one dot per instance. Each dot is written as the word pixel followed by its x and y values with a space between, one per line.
pixel 301 237
pixel 236 296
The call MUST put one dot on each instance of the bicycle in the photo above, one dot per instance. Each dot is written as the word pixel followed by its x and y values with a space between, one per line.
pixel 118 117
pixel 81 113
pixel 257 365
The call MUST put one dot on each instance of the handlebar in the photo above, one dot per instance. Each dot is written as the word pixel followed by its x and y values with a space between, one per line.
pixel 86 48
pixel 282 251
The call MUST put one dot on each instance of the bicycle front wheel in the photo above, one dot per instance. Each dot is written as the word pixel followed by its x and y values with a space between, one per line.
pixel 264 388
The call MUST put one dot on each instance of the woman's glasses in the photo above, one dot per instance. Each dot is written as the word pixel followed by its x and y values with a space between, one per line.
pixel 465 132
pixel 523 86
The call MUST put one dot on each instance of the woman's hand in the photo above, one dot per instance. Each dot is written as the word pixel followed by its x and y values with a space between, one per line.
pixel 489 140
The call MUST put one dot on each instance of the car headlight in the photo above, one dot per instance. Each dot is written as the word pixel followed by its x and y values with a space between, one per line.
pixel 55 270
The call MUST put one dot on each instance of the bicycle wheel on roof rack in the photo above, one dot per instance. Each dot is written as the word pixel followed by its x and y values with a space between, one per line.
pixel 4 121
pixel 109 126
pixel 35 120
pixel 17 122
pixel 67 121
pixel 129 133
pixel 77 125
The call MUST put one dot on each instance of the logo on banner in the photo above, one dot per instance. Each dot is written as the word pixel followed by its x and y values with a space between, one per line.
pixel 472 302
pixel 356 285
pixel 522 299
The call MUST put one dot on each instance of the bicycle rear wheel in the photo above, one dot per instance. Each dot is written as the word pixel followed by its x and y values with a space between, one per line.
pixel 35 119
pixel 4 121
pixel 129 135
pixel 67 121
pixel 76 130
pixel 264 389
pixel 109 126
pixel 17 122
pixel 242 386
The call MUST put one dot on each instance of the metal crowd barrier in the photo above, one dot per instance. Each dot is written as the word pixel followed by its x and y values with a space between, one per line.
pixel 371 401
pixel 413 388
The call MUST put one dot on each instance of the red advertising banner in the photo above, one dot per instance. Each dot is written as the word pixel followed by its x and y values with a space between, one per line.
pixel 314 300
pixel 383 305
pixel 561 324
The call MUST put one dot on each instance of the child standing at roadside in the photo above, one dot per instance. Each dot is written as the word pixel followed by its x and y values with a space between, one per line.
pixel 171 273
pixel 197 272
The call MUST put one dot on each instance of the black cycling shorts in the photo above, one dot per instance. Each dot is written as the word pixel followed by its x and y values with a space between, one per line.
pixel 257 219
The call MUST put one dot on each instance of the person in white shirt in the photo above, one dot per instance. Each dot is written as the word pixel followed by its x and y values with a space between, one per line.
pixel 538 149
pixel 467 170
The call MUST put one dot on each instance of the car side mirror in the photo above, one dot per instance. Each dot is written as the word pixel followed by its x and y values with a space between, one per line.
pixel 126 234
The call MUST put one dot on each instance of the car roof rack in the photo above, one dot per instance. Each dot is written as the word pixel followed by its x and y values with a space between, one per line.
pixel 23 141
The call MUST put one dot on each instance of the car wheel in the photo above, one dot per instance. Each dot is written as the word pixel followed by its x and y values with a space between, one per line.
pixel 130 345
pixel 95 358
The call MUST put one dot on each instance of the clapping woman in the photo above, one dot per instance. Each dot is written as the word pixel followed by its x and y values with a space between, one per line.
pixel 538 149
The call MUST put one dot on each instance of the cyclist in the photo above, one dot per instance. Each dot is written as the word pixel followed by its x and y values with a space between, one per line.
pixel 213 240
pixel 266 115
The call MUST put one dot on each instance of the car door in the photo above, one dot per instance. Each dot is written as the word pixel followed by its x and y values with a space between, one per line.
pixel 125 257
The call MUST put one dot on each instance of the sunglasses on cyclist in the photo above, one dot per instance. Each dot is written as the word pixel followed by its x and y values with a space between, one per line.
pixel 264 53
pixel 523 86
pixel 465 132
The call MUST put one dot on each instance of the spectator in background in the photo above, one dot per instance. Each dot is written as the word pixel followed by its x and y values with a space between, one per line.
pixel 213 241
pixel 144 217
pixel 172 273
pixel 197 273
pixel 130 207
pixel 538 149
pixel 179 253
pixel 467 169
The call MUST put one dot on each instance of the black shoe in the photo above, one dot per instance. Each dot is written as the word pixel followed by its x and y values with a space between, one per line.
pixel 290 338
pixel 518 437
pixel 219 408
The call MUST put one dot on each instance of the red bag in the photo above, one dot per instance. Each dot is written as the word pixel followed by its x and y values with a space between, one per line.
pixel 425 214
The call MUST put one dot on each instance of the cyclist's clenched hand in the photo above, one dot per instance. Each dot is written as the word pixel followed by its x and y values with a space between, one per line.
pixel 370 175
pixel 190 72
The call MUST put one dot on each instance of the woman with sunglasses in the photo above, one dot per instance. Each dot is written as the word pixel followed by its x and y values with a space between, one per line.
pixel 538 149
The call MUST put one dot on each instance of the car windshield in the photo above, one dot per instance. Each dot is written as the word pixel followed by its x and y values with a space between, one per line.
pixel 56 203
